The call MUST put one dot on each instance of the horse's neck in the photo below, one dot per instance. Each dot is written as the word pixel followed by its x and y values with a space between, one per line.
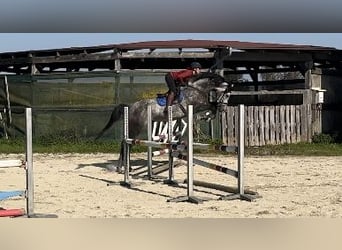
pixel 199 99
pixel 196 91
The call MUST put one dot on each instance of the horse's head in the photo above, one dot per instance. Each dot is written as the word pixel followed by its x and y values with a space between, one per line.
pixel 212 85
pixel 214 90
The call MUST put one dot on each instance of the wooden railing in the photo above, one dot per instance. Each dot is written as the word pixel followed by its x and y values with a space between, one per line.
pixel 270 125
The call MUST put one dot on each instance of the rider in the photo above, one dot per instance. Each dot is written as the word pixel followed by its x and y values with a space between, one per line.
pixel 175 79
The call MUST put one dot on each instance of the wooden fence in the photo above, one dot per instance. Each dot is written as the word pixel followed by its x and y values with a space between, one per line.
pixel 270 125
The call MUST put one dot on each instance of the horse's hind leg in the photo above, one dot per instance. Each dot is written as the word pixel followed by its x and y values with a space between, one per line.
pixel 121 158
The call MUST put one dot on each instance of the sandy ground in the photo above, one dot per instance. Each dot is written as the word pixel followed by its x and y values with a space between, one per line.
pixel 75 186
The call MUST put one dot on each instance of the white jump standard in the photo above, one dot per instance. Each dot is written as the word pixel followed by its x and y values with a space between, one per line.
pixel 240 194
pixel 27 165
pixel 190 166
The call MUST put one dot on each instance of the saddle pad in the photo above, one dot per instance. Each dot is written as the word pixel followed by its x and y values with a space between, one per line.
pixel 161 100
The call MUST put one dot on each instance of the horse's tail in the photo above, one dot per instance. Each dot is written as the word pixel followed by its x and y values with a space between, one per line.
pixel 116 115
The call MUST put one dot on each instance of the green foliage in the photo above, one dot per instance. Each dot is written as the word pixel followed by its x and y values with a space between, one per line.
pixel 64 143
pixel 69 144
pixel 152 93
pixel 15 146
pixel 323 139
pixel 305 149
pixel 58 138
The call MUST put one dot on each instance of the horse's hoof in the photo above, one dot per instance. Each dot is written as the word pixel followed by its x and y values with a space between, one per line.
pixel 111 168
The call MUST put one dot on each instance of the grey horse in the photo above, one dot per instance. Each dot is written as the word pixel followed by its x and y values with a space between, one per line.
pixel 205 92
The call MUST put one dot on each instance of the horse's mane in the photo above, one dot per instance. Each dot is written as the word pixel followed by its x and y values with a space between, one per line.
pixel 212 76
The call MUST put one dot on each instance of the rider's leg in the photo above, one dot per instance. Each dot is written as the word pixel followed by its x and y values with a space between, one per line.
pixel 172 90
pixel 169 100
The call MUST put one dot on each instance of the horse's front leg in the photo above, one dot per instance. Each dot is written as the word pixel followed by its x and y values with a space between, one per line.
pixel 210 114
pixel 122 161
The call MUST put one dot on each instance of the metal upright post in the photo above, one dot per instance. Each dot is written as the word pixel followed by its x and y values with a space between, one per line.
pixel 149 138
pixel 126 149
pixel 170 180
pixel 190 165
pixel 170 133
pixel 241 149
pixel 241 156
pixel 240 161
pixel 29 165
pixel 190 147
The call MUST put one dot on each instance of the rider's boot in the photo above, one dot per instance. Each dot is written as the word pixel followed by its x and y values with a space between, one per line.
pixel 169 101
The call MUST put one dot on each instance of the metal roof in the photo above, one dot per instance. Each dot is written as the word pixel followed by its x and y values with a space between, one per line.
pixel 173 44
pixel 212 44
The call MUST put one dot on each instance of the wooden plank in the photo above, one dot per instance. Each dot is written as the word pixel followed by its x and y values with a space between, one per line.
pixel 250 126
pixel 106 54
pixel 261 126
pixel 309 124
pixel 272 125
pixel 269 57
pixel 316 120
pixel 298 123
pixel 256 125
pixel 277 123
pixel 233 112
pixel 253 126
pixel 245 126
pixel 111 56
pixel 267 124
pixel 304 123
pixel 236 125
pixel 268 92
pixel 319 119
pixel 224 127
pixel 287 124
pixel 231 125
pixel 292 122
pixel 282 124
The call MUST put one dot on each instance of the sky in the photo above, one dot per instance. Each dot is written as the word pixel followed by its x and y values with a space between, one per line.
pixel 13 42
pixel 170 16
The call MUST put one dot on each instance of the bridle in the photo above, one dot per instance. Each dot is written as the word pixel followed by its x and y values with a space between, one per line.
pixel 215 101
